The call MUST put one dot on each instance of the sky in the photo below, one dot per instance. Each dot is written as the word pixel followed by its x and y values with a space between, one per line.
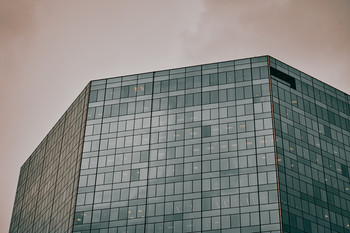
pixel 50 50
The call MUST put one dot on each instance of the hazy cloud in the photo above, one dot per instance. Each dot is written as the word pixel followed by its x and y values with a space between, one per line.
pixel 16 23
pixel 16 18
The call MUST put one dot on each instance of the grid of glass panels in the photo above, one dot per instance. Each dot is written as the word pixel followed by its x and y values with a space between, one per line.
pixel 48 182
pixel 181 150
pixel 313 129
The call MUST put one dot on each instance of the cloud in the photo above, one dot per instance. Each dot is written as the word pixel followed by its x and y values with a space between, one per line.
pixel 16 25
pixel 16 18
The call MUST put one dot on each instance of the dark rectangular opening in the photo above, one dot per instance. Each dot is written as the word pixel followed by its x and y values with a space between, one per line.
pixel 283 76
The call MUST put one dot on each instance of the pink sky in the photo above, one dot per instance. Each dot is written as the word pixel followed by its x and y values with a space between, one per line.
pixel 50 50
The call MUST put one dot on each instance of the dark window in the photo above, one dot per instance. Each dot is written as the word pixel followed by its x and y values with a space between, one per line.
pixel 284 77
pixel 206 131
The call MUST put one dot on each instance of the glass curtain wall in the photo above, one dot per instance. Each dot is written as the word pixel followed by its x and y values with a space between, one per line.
pixel 181 150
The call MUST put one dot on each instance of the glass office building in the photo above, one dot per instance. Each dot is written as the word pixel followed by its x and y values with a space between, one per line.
pixel 250 145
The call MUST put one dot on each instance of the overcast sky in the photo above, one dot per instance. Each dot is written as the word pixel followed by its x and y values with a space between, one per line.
pixel 50 50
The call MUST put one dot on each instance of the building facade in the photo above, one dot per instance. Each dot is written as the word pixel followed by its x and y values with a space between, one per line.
pixel 249 145
pixel 312 130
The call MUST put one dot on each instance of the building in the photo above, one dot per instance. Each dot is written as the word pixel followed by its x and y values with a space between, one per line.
pixel 249 145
